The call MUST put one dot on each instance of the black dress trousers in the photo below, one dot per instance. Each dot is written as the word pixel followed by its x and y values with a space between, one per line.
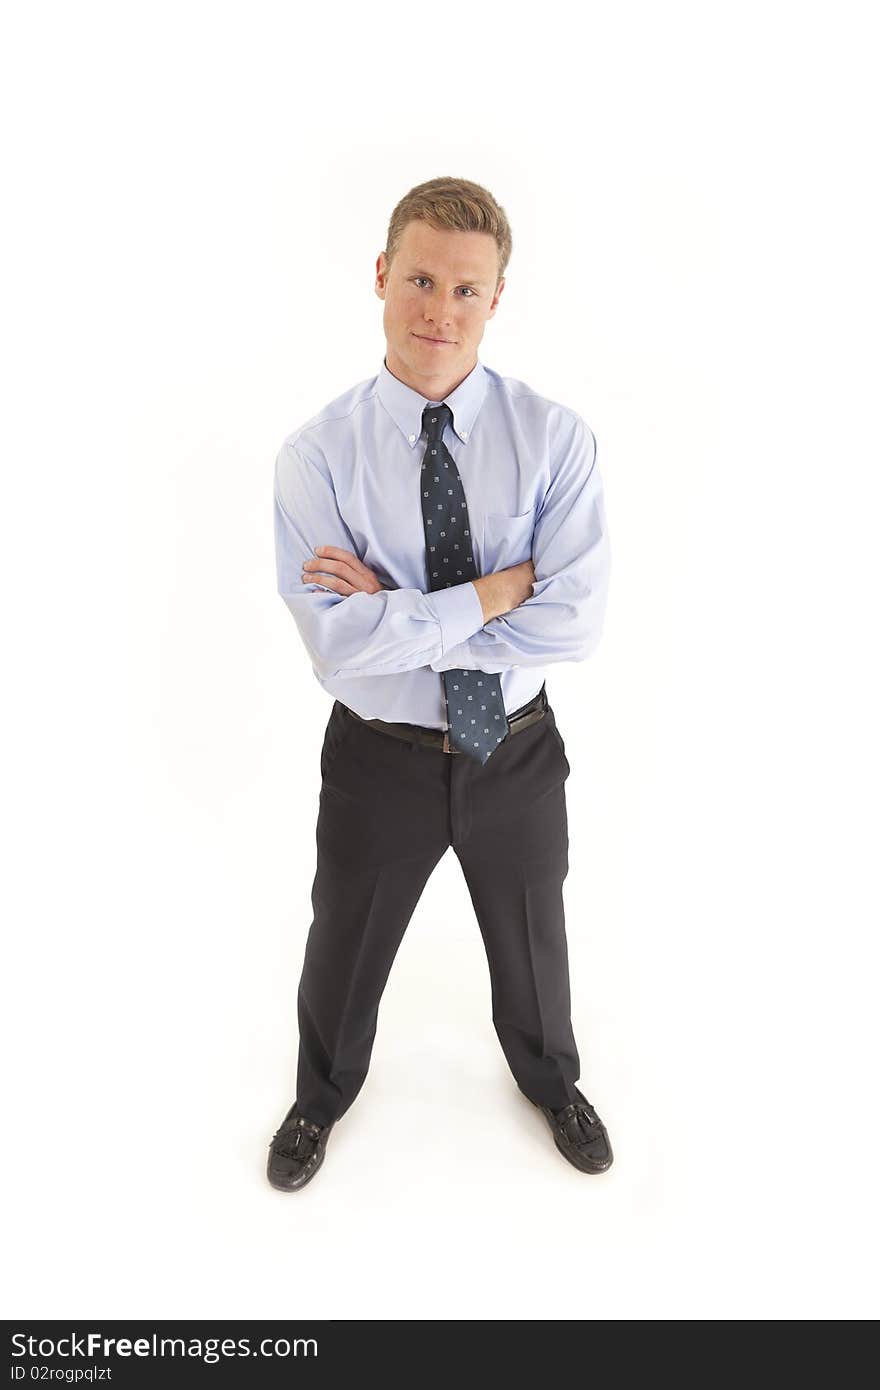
pixel 388 812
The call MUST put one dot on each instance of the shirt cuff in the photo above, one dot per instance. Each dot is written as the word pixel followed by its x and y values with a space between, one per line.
pixel 458 611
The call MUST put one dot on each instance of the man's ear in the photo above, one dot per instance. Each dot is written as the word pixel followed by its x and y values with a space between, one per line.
pixel 381 275
pixel 494 305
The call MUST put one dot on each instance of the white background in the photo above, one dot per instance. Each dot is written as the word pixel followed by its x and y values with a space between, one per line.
pixel 195 199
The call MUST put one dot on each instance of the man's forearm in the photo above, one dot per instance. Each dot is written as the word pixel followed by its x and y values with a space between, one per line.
pixel 501 592
pixel 493 593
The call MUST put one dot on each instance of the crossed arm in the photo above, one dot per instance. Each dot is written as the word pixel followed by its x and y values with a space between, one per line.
pixel 545 610
pixel 342 571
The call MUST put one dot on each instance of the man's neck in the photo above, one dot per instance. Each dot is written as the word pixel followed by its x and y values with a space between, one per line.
pixel 432 388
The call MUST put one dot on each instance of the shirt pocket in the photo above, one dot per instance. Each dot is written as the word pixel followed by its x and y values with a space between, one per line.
pixel 507 540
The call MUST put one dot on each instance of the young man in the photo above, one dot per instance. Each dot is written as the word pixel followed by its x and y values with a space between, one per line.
pixel 440 539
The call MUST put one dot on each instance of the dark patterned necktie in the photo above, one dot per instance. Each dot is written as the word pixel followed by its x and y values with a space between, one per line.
pixel 474 702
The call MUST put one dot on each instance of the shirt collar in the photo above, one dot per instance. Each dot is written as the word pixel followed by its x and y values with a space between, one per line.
pixel 405 406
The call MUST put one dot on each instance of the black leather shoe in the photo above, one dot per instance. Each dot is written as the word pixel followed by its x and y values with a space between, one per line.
pixel 296 1152
pixel 580 1135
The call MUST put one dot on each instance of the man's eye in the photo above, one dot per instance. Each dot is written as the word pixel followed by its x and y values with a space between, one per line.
pixel 470 292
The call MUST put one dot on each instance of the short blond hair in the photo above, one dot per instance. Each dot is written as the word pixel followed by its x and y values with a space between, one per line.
pixel 449 204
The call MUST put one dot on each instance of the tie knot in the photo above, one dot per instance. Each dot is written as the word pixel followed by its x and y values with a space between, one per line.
pixel 435 418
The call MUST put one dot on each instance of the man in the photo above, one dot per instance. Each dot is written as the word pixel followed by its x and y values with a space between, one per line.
pixel 440 539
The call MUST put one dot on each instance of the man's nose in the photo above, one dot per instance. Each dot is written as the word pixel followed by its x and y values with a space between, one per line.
pixel 440 308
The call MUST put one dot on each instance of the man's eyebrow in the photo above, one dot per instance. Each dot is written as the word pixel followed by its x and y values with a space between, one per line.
pixel 479 284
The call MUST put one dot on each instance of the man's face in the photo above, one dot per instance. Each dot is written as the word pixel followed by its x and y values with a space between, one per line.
pixel 441 285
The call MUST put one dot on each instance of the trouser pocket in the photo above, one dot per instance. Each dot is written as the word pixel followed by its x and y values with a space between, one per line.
pixel 338 726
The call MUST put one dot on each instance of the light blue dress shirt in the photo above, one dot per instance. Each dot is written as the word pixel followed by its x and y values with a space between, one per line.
pixel 350 477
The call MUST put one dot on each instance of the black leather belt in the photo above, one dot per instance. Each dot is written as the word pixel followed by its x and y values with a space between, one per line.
pixel 439 738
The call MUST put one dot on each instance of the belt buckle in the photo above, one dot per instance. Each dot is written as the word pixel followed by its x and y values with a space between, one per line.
pixel 446 747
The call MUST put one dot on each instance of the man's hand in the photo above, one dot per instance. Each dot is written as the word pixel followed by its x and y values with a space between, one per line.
pixel 341 571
